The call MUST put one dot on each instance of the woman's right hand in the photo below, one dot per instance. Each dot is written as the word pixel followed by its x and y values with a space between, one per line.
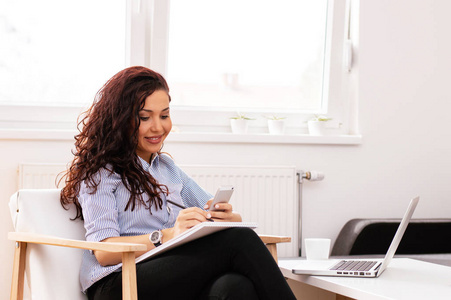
pixel 186 219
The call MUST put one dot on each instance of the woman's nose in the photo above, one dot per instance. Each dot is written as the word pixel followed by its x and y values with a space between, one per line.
pixel 156 125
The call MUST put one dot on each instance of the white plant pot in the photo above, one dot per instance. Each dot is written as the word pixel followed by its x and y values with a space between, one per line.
pixel 276 126
pixel 239 125
pixel 316 127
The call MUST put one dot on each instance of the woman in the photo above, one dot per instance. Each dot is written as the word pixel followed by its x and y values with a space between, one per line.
pixel 124 188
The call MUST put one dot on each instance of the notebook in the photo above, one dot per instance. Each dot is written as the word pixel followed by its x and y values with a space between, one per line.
pixel 357 267
pixel 198 231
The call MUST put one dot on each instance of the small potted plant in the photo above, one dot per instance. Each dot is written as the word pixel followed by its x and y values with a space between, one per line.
pixel 276 125
pixel 239 123
pixel 317 125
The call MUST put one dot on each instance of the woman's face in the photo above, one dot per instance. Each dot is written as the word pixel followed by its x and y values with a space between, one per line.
pixel 155 124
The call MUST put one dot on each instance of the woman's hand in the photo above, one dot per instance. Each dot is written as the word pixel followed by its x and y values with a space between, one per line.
pixel 188 218
pixel 223 212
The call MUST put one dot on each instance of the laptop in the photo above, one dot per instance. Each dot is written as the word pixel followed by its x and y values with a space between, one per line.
pixel 357 267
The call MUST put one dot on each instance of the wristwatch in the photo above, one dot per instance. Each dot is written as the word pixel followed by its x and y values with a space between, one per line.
pixel 156 237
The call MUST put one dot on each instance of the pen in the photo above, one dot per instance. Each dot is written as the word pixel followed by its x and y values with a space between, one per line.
pixel 176 204
pixel 183 207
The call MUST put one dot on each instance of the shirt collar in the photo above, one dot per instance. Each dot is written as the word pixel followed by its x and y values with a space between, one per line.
pixel 146 165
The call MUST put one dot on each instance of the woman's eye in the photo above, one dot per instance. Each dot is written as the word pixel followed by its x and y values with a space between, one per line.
pixel 165 117
pixel 144 118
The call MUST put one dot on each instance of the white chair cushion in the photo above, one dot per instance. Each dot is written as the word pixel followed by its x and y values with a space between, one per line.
pixel 52 272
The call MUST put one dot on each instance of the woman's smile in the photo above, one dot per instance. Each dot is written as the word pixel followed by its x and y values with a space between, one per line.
pixel 154 140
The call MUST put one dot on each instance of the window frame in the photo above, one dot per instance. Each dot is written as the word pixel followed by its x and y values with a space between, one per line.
pixel 146 44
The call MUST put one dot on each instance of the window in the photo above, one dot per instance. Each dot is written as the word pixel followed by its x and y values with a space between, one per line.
pixel 247 55
pixel 213 61
pixel 59 52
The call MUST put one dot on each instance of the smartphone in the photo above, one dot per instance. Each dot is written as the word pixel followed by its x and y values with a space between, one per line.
pixel 223 194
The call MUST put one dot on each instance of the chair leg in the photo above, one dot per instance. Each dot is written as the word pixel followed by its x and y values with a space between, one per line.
pixel 273 250
pixel 129 288
pixel 17 283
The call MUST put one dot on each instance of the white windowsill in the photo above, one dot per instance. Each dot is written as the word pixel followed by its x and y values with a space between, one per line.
pixel 196 137
pixel 262 138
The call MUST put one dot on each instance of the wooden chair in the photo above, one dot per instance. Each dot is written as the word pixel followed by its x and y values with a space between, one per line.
pixel 40 223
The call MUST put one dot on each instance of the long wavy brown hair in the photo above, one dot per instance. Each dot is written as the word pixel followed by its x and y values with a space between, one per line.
pixel 108 138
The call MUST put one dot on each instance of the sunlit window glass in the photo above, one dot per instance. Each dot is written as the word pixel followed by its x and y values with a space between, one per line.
pixel 59 52
pixel 251 54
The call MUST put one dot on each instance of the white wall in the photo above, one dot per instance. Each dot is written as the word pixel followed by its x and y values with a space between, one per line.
pixel 404 99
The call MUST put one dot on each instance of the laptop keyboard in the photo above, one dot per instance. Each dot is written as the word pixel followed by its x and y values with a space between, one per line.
pixel 354 265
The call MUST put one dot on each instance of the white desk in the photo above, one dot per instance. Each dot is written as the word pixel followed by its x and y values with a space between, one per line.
pixel 403 279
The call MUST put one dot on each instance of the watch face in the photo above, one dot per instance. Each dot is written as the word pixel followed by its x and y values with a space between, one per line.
pixel 155 237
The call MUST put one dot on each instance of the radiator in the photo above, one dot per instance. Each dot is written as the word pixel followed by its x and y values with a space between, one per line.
pixel 267 195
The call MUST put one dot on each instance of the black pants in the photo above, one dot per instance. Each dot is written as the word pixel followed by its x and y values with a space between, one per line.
pixel 230 264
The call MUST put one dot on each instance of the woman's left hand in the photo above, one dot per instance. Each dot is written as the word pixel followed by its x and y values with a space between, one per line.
pixel 223 212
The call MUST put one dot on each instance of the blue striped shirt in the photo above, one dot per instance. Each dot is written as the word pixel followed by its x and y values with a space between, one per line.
pixel 105 216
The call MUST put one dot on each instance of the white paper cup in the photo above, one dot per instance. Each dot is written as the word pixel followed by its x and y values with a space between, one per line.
pixel 317 249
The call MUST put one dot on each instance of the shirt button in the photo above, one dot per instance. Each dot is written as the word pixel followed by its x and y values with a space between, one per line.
pixel 168 209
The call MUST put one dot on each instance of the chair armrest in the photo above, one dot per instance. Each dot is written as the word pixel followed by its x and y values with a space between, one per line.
pixel 274 239
pixel 57 241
